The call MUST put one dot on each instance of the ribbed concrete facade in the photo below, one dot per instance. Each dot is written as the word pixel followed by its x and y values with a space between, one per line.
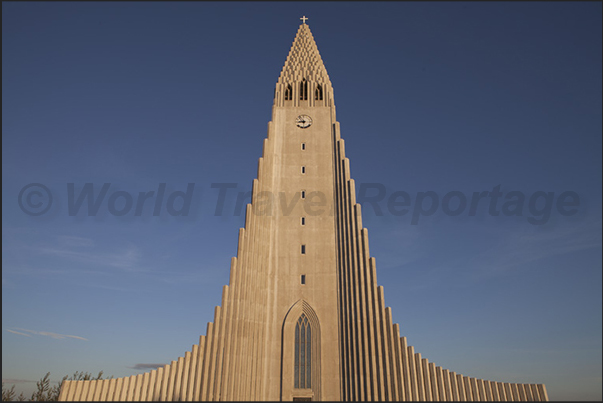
pixel 302 317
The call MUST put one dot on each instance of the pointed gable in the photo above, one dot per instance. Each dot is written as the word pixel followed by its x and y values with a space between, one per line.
pixel 304 79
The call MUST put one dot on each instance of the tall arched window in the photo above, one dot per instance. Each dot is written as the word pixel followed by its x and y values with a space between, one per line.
pixel 303 353
pixel 303 90
pixel 288 93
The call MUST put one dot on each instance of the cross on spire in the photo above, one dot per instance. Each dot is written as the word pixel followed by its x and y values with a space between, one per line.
pixel 304 18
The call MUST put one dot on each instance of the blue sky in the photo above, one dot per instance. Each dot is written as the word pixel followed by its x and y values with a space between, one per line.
pixel 433 97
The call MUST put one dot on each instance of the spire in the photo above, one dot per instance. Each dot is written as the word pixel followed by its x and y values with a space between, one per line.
pixel 303 77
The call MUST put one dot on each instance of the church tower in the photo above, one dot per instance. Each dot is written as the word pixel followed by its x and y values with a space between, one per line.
pixel 302 317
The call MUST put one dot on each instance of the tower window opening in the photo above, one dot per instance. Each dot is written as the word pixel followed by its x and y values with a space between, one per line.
pixel 303 170
pixel 303 221
pixel 289 93
pixel 303 279
pixel 303 146
pixel 303 249
pixel 303 194
pixel 303 353
pixel 303 90
pixel 318 93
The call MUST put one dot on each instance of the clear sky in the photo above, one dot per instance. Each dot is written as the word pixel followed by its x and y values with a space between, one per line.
pixel 438 97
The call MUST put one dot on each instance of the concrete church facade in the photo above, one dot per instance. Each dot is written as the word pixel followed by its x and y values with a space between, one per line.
pixel 302 317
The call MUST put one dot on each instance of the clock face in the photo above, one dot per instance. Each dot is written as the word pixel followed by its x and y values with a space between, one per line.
pixel 303 121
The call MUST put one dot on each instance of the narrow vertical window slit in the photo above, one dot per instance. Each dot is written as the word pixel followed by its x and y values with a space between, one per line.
pixel 318 93
pixel 303 90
